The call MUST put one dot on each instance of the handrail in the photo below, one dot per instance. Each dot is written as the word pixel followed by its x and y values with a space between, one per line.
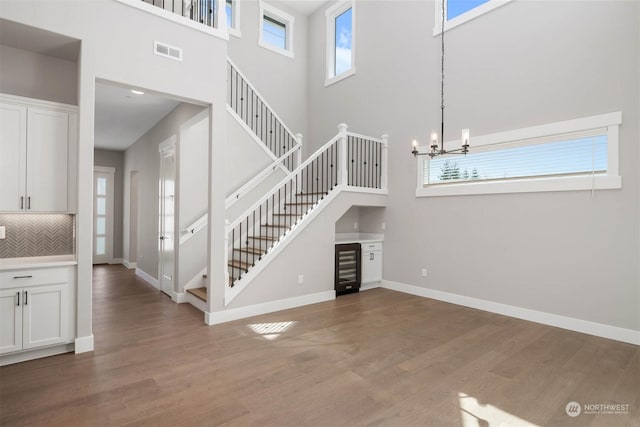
pixel 256 113
pixel 191 230
pixel 285 180
pixel 257 179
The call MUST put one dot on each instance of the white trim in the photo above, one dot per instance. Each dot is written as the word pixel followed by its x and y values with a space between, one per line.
pixel 330 43
pixel 32 102
pixel 235 18
pixel 267 307
pixel 190 231
pixel 369 286
pixel 181 297
pixel 130 265
pixel 600 124
pixel 84 344
pixel 196 302
pixel 36 353
pixel 465 17
pixel 174 17
pixel 147 278
pixel 578 325
pixel 283 18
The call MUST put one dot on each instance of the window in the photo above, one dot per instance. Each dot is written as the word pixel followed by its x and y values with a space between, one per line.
pixel 458 12
pixel 578 154
pixel 340 28
pixel 276 30
pixel 232 10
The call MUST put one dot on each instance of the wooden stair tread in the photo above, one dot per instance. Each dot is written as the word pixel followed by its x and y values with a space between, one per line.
pixel 275 226
pixel 286 214
pixel 199 293
pixel 300 203
pixel 254 251
pixel 239 264
pixel 312 194
pixel 269 238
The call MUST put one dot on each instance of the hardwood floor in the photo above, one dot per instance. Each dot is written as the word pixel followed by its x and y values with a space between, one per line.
pixel 374 358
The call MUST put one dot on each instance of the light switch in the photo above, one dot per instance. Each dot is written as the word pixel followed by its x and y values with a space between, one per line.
pixel 2 232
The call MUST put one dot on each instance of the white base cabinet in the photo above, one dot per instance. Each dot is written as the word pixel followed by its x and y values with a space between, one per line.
pixel 371 262
pixel 36 308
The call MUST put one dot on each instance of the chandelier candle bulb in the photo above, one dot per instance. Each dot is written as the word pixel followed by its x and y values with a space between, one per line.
pixel 434 138
pixel 414 146
pixel 465 136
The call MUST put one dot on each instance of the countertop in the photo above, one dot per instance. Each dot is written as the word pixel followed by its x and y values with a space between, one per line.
pixel 37 262
pixel 358 238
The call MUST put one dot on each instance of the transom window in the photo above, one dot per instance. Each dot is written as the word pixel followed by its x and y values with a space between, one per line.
pixel 340 28
pixel 579 154
pixel 276 30
pixel 458 12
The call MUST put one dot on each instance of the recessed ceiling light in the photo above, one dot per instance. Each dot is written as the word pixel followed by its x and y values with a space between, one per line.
pixel 137 92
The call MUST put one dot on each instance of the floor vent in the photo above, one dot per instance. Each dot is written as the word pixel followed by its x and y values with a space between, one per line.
pixel 167 51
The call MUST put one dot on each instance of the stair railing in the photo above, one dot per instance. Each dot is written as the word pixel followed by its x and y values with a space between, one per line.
pixel 254 111
pixel 207 12
pixel 347 160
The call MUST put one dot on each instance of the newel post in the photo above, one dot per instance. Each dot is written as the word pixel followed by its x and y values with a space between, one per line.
pixel 343 172
pixel 385 164
pixel 299 137
pixel 221 13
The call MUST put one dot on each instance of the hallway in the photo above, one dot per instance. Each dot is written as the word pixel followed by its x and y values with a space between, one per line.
pixel 379 357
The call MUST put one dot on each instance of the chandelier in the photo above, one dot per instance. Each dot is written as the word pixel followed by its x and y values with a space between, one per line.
pixel 437 149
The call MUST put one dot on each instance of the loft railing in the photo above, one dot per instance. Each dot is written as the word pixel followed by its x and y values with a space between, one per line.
pixel 202 11
pixel 254 111
pixel 347 160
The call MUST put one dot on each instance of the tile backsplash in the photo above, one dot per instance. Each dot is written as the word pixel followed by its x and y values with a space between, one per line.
pixel 30 235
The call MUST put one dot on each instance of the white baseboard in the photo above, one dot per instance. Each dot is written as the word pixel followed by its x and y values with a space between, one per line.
pixel 147 278
pixel 578 325
pixel 84 344
pixel 179 297
pixel 196 302
pixel 370 286
pixel 267 307
pixel 130 265
pixel 37 353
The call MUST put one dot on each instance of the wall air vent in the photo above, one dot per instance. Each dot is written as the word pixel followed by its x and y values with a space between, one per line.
pixel 167 51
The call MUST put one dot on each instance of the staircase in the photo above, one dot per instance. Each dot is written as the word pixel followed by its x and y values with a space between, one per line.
pixel 347 161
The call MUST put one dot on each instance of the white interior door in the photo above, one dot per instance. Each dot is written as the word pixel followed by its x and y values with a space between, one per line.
pixel 103 179
pixel 167 216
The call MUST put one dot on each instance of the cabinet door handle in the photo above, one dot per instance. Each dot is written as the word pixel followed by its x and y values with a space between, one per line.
pixel 371 256
pixel 18 295
pixel 29 203
pixel 26 298
pixel 23 277
pixel 21 202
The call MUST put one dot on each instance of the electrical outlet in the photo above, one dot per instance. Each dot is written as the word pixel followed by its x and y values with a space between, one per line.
pixel 424 272
pixel 300 279
pixel 383 226
pixel 355 225
pixel 3 232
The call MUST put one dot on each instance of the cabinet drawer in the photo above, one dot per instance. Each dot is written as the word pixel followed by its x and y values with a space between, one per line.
pixel 32 277
pixel 371 247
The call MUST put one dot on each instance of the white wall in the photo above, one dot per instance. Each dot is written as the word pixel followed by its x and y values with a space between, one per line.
pixel 38 76
pixel 523 64
pixel 143 157
pixel 115 49
pixel 114 159
pixel 282 81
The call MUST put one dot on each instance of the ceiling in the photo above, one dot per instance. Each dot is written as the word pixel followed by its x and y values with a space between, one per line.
pixel 32 39
pixel 306 7
pixel 123 117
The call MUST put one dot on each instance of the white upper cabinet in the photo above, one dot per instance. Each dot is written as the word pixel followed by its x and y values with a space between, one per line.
pixel 37 155
pixel 13 156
